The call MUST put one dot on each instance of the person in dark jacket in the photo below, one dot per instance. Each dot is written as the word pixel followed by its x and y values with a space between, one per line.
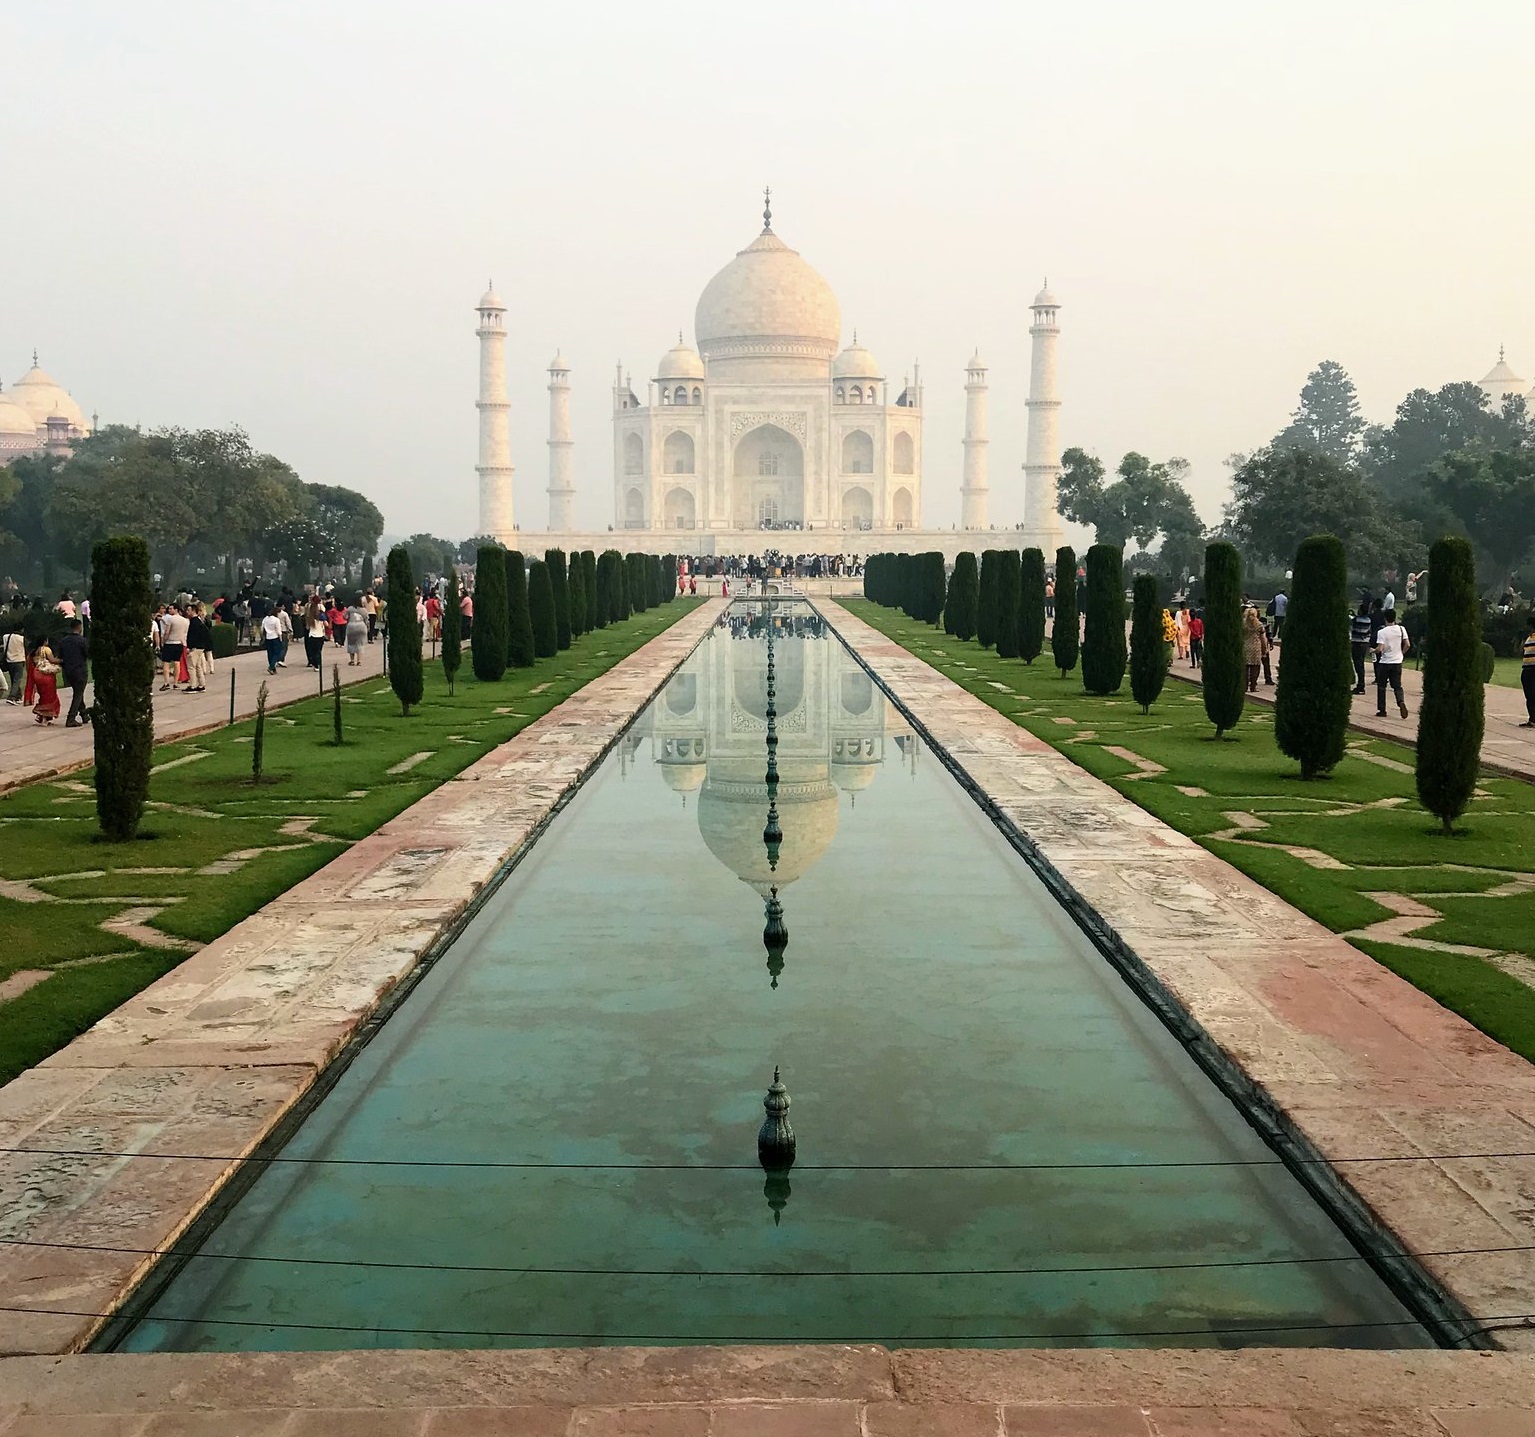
pixel 73 654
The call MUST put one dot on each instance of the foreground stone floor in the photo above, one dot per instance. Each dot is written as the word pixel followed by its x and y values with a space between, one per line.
pixel 194 1071
pixel 772 1392
pixel 1428 1121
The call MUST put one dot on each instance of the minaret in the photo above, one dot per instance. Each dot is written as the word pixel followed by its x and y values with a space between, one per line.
pixel 495 466
pixel 562 486
pixel 973 493
pixel 1042 466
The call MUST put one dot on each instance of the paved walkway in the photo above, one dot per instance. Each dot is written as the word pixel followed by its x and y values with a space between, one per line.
pixel 1506 748
pixel 29 751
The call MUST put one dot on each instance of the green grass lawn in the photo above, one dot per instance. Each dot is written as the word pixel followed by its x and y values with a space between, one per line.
pixel 203 814
pixel 1365 816
pixel 1506 672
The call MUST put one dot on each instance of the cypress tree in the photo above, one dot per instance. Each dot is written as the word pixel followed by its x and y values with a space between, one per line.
pixel 623 605
pixel 596 615
pixel 452 641
pixel 603 593
pixel 404 639
pixel 936 586
pixel 576 579
pixel 546 643
pixel 659 593
pixel 520 648
pixel 637 583
pixel 1009 597
pixel 1316 673
pixel 1451 722
pixel 123 666
pixel 1031 605
pixel 1148 647
pixel 487 645
pixel 959 613
pixel 1064 631
pixel 986 600
pixel 559 582
pixel 1223 670
pixel 1103 637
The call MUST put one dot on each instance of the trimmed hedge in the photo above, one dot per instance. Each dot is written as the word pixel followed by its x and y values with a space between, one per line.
pixel 1009 595
pixel 986 599
pixel 521 649
pixel 1031 605
pixel 123 664
pixel 1452 720
pixel 1224 677
pixel 487 644
pixel 1064 638
pixel 959 614
pixel 404 638
pixel 1316 672
pixel 559 583
pixel 1103 635
pixel 1148 648
pixel 546 642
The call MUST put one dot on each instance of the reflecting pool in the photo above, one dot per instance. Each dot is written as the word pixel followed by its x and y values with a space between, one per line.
pixel 554 1139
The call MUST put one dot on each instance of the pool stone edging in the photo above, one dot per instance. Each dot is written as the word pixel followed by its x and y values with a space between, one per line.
pixel 1373 1207
pixel 216 1055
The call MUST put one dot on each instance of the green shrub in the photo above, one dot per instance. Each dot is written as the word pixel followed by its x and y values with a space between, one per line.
pixel 1316 673
pixel 589 587
pixel 1148 647
pixel 1452 718
pixel 559 583
pixel 404 640
pixel 546 642
pixel 1064 637
pixel 1031 605
pixel 123 662
pixel 223 640
pixel 1505 631
pixel 452 630
pixel 935 587
pixel 959 614
pixel 487 644
pixel 258 734
pixel 1489 663
pixel 1103 637
pixel 636 583
pixel 576 582
pixel 1009 597
pixel 1224 669
pixel 521 650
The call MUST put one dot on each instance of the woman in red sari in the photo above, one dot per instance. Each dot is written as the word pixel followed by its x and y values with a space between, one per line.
pixel 43 675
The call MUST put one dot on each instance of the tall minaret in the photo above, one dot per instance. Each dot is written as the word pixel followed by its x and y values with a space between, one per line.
pixel 562 484
pixel 495 466
pixel 1042 466
pixel 973 493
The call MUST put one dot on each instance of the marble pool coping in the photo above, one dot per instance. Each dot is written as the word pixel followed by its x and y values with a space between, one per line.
pixel 138 1124
pixel 1426 1125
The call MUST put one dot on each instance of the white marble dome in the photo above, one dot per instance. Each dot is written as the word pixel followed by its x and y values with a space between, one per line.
pixel 43 397
pixel 767 301
pixel 16 424
pixel 680 362
pixel 855 362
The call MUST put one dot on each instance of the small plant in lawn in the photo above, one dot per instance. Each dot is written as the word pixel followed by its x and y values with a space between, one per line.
pixel 1064 637
pixel 1148 649
pixel 1031 605
pixel 335 714
pixel 258 738
pixel 1452 719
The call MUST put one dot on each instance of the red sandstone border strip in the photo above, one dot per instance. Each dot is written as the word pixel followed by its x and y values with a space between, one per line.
pixel 774 1392
pixel 1355 1059
pixel 210 1058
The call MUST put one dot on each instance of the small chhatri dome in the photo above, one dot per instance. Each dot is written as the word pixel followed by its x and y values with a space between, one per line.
pixel 1045 299
pixel 976 362
pixel 557 365
pixel 855 362
pixel 680 362
pixel 1501 372
pixel 490 300
pixel 43 397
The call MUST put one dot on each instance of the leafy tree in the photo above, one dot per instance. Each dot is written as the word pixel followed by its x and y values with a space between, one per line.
pixel 576 583
pixel 430 556
pixel 488 642
pixel 452 634
pixel 559 583
pixel 1491 493
pixel 546 642
pixel 1064 636
pixel 1103 638
pixel 404 636
pixel 1148 647
pixel 1316 675
pixel 1327 419
pixel 1009 598
pixel 1280 498
pixel 123 666
pixel 521 645
pixel 986 599
pixel 1145 500
pixel 959 614
pixel 1031 605
pixel 1430 424
pixel 1451 722
pixel 1225 670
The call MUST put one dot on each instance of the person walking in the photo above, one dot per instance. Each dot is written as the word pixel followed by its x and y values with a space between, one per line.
pixel 286 614
pixel 356 633
pixel 1359 642
pixel 72 663
pixel 370 604
pixel 43 672
pixel 314 632
pixel 1181 631
pixel 16 664
pixel 173 642
pixel 271 640
pixel 1391 647
pixel 199 650
pixel 1196 637
pixel 1255 646
pixel 1527 670
pixel 1281 608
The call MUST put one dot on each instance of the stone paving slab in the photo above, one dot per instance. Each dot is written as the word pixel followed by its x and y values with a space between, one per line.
pixel 828 1391
pixel 1352 1058
pixel 207 1060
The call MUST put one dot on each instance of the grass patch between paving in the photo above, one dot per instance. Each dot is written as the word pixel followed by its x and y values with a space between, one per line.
pixel 1365 817
pixel 206 814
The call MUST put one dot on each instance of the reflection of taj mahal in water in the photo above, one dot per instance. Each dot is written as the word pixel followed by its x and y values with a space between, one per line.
pixel 835 728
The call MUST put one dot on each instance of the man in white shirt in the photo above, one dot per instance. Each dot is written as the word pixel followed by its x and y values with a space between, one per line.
pixel 16 664
pixel 271 637
pixel 1391 646
pixel 173 644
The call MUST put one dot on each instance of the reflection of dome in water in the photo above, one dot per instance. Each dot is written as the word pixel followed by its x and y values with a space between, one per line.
pixel 681 761
pixel 748 678
pixel 853 777
pixel 730 819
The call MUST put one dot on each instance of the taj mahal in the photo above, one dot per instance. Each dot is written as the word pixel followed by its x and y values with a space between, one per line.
pixel 771 425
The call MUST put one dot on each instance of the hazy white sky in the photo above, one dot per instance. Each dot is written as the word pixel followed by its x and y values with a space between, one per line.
pixel 280 215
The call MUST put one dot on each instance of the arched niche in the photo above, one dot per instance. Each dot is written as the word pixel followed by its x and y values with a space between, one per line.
pixel 677 452
pixel 857 452
pixel 905 454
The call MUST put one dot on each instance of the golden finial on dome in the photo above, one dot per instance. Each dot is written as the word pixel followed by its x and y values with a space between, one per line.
pixel 767 209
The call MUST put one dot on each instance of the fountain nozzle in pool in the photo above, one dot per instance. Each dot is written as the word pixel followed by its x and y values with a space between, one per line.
pixel 775 938
pixel 775 1146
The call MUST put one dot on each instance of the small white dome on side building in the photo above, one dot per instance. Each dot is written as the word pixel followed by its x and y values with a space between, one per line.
pixel 855 362
pixel 680 362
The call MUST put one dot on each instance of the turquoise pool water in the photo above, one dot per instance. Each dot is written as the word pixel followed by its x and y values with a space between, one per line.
pixel 553 1139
